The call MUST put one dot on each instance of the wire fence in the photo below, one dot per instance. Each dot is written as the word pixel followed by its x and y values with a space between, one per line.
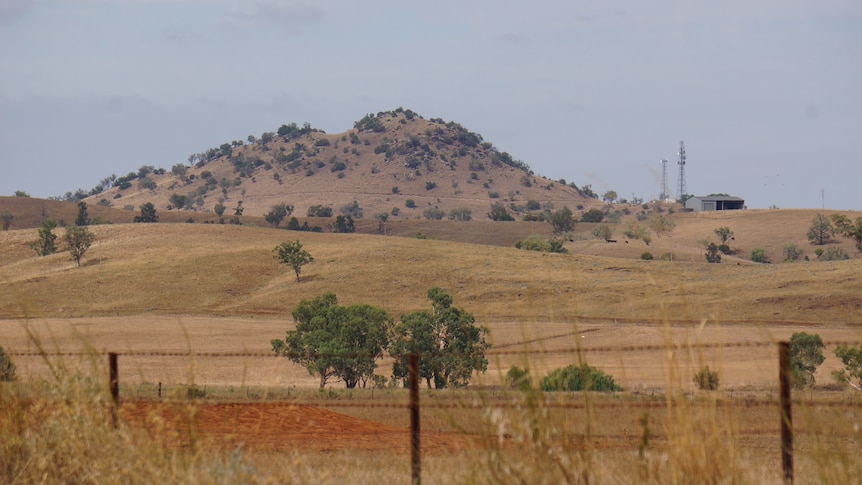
pixel 482 398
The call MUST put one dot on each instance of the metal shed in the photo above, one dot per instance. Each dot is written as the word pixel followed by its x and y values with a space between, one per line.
pixel 714 203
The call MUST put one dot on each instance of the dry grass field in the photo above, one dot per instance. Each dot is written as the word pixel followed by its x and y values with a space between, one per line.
pixel 205 289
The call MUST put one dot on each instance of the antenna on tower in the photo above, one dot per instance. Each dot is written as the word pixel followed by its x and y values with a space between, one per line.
pixel 681 189
pixel 664 195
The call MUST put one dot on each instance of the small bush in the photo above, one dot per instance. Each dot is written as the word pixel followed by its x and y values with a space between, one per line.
pixel 791 253
pixel 758 255
pixel 434 213
pixel 578 378
pixel 409 203
pixel 7 368
pixel 647 256
pixel 832 253
pixel 706 380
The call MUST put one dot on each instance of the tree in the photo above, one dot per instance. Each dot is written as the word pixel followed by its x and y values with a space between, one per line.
pixel 603 231
pixel 237 213
pixel 609 197
pixel 660 224
pixel 578 378
pixel 449 343
pixel 7 368
pixel 178 201
pixel 806 353
pixel 148 213
pixel 724 234
pixel 381 222
pixel 820 231
pixel 593 215
pixel 851 357
pixel 47 242
pixel 791 253
pixel 290 253
pixel 336 342
pixel 343 224
pixel 758 255
pixel 277 213
pixel 6 217
pixel 562 221
pixel 83 218
pixel 78 241
pixel 461 214
pixel 498 212
pixel 713 255
pixel 848 228
pixel 219 209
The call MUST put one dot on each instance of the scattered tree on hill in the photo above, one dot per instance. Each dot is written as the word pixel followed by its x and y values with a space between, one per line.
pixel 237 213
pixel 83 218
pixel 47 242
pixel 848 228
pixel 319 211
pixel 724 234
pixel 219 210
pixel 381 222
pixel 713 255
pixel 832 253
pixel 148 213
pixel 461 214
pixel 603 231
pixel 660 224
pixel 562 221
pixel 352 209
pixel 21 193
pixel 344 224
pixel 6 217
pixel 499 212
pixel 758 255
pixel 277 213
pixel 851 357
pixel 292 254
pixel 806 354
pixel 178 201
pixel 538 243
pixel 7 367
pixel 706 380
pixel 609 197
pixel 449 343
pixel 593 215
pixel 78 241
pixel 336 342
pixel 820 231
pixel 578 378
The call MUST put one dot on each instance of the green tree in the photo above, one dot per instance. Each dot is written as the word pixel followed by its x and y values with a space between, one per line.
pixel 724 234
pixel 758 255
pixel 660 224
pixel 237 213
pixel 449 343
pixel 713 255
pixel 851 357
pixel 498 212
pixel 336 342
pixel 832 253
pixel 706 380
pixel 47 242
pixel 461 214
pixel 219 209
pixel 806 354
pixel 319 211
pixel 820 231
pixel 148 213
pixel 277 213
pixel 609 197
pixel 578 378
pixel 536 242
pixel 292 254
pixel 343 224
pixel 83 218
pixel 7 367
pixel 178 201
pixel 78 241
pixel 593 215
pixel 848 228
pixel 562 221
pixel 603 231
pixel 381 222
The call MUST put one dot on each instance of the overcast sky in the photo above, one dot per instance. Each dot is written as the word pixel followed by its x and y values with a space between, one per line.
pixel 766 94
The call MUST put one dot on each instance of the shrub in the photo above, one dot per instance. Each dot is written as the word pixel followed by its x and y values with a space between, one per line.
pixel 603 232
pixel 409 203
pixel 537 243
pixel 7 368
pixel 430 185
pixel 712 253
pixel 593 215
pixel 724 248
pixel 578 378
pixel 791 253
pixel 319 211
pixel 433 213
pixel 706 380
pixel 832 253
pixel 461 214
pixel 352 209
pixel 758 255
pixel 647 256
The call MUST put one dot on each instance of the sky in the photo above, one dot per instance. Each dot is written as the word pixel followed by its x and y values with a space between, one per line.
pixel 766 94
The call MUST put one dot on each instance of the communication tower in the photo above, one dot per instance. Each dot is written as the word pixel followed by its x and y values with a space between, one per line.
pixel 664 195
pixel 681 189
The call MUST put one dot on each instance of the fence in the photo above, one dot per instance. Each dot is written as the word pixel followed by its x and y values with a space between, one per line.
pixel 784 412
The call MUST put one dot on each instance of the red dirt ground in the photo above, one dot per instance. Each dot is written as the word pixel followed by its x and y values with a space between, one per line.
pixel 273 427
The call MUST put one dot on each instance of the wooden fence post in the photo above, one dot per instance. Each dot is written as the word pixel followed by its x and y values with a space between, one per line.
pixel 415 459
pixel 786 411
pixel 115 387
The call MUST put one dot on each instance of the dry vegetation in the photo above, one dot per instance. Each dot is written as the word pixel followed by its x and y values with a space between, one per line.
pixel 215 288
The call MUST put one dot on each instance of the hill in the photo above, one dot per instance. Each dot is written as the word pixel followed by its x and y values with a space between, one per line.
pixel 395 162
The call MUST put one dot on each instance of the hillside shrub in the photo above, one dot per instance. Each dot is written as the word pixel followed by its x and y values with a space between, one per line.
pixel 593 215
pixel 713 255
pixel 352 209
pixel 578 378
pixel 430 185
pixel 319 211
pixel 706 380
pixel 7 367
pixel 461 214
pixel 724 248
pixel 536 242
pixel 832 253
pixel 433 213
pixel 758 255
pixel 409 203
pixel 792 253
pixel 647 256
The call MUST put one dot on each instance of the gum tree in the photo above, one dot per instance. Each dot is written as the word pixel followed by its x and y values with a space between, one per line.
pixel 292 254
